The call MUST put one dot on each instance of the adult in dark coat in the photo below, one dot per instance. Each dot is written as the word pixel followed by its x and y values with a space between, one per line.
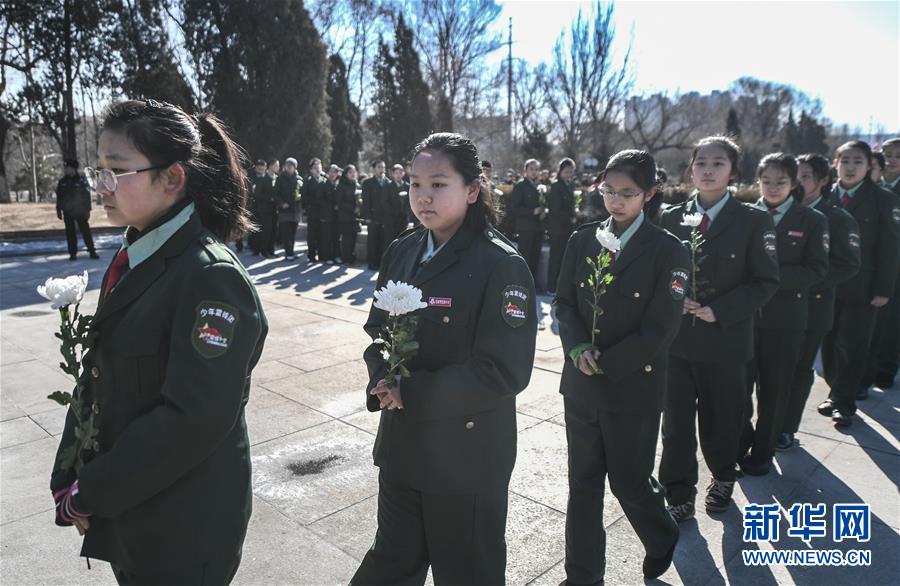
pixel 348 214
pixel 311 200
pixel 843 263
pixel 329 235
pixel 256 177
pixel 266 212
pixel 802 241
pixel 614 380
pixel 287 198
pixel 73 207
pixel 561 219
pixel 526 203
pixel 845 349
pixel 373 213
pixel 395 202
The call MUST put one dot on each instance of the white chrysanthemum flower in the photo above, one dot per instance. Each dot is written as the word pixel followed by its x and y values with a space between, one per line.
pixel 542 188
pixel 692 220
pixel 385 354
pixel 577 193
pixel 498 193
pixel 403 193
pixel 399 298
pixel 608 240
pixel 379 341
pixel 64 291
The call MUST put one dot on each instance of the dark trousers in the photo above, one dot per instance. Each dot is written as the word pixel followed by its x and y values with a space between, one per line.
pixel 802 381
pixel 884 350
pixel 327 233
pixel 374 237
pixel 72 238
pixel 623 447
pixel 347 230
pixel 211 573
pixel 771 372
pixel 711 393
pixel 287 232
pixel 845 350
pixel 267 228
pixel 558 241
pixel 530 248
pixel 313 236
pixel 461 536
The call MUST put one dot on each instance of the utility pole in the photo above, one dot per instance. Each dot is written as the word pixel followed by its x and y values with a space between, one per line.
pixel 509 81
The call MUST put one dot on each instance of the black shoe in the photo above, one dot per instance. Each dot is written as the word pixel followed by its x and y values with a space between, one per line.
pixel 862 394
pixel 718 495
pixel 94 255
pixel 826 408
pixel 656 567
pixel 841 419
pixel 682 512
pixel 884 384
pixel 72 257
pixel 754 468
pixel 785 442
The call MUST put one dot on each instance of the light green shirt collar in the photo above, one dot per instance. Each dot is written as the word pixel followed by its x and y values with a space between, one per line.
pixel 781 209
pixel 144 247
pixel 815 202
pixel 630 231
pixel 850 193
pixel 713 211
pixel 430 250
pixel 892 184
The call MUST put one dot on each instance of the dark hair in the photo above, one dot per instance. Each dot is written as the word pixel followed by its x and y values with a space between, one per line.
pixel 71 163
pixel 821 167
pixel 260 162
pixel 565 163
pixel 314 161
pixel 731 148
pixel 860 145
pixel 212 161
pixel 788 165
pixel 347 170
pixel 879 156
pixel 640 166
pixel 486 164
pixel 530 162
pixel 374 162
pixel 890 142
pixel 463 155
pixel 271 162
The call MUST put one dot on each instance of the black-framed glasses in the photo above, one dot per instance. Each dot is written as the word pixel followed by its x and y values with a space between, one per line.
pixel 624 194
pixel 108 180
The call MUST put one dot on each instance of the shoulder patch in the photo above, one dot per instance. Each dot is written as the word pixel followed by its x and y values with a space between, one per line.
pixel 769 242
pixel 678 283
pixel 514 305
pixel 853 239
pixel 213 331
pixel 895 213
pixel 826 241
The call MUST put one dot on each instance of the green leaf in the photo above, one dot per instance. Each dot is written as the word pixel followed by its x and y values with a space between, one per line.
pixel 61 397
pixel 407 347
pixel 403 370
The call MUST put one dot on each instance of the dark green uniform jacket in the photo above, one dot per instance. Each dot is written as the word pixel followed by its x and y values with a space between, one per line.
pixel 394 204
pixel 642 313
pixel 169 363
pixel 738 274
pixel 457 431
pixel 522 201
pixel 73 196
pixel 802 240
pixel 561 203
pixel 328 212
pixel 878 214
pixel 287 187
pixel 843 263
pixel 346 200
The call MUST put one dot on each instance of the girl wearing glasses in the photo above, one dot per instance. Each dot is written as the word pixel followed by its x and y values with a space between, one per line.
pixel 165 495
pixel 613 382
pixel 737 272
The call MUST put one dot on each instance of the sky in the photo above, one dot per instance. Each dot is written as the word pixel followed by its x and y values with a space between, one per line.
pixel 703 46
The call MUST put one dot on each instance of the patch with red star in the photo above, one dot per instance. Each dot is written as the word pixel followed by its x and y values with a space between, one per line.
pixel 213 331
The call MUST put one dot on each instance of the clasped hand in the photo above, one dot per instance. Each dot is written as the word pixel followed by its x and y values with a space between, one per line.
pixel 703 312
pixel 388 397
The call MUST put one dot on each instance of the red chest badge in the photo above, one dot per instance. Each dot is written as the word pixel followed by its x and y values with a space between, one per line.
pixel 440 302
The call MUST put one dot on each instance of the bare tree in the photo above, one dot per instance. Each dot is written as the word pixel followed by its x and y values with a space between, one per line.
pixel 455 37
pixel 658 122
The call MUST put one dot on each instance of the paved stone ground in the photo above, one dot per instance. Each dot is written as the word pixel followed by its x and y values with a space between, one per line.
pixel 307 407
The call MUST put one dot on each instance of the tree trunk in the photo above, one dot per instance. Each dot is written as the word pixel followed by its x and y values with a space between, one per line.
pixel 70 145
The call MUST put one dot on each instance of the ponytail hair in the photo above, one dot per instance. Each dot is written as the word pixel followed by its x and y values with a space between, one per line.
pixel 463 155
pixel 788 165
pixel 212 161
pixel 640 166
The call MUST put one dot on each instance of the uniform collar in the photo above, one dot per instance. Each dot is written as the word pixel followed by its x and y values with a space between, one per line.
pixel 850 192
pixel 142 245
pixel 780 209
pixel 430 250
pixel 713 211
pixel 891 184
pixel 630 231
pixel 815 202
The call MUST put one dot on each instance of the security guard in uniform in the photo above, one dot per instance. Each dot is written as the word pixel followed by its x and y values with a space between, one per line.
pixel 737 274
pixel 802 240
pixel 843 263
pixel 614 388
pixel 845 348
pixel 446 441
pixel 166 496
